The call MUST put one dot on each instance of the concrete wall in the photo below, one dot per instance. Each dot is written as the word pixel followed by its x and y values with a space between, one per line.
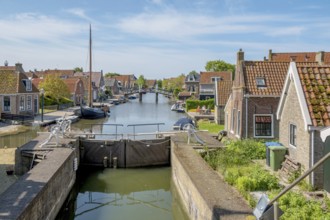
pixel 204 194
pixel 40 193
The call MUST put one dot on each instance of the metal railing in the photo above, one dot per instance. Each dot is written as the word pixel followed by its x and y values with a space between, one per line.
pixel 136 125
pixel 286 189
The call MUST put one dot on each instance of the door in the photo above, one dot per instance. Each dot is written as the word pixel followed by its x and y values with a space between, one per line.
pixel 35 104
pixel 326 165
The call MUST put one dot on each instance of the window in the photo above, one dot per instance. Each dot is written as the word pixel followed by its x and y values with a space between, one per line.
pixel 261 83
pixel 22 103
pixel 232 120
pixel 6 104
pixel 29 102
pixel 28 85
pixel 293 135
pixel 263 125
pixel 238 127
pixel 216 79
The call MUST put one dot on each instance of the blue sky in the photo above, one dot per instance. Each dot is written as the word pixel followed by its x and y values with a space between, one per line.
pixel 157 38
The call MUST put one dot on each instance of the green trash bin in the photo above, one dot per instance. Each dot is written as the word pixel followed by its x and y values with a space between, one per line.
pixel 277 155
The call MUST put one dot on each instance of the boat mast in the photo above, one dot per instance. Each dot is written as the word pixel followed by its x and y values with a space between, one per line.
pixel 90 95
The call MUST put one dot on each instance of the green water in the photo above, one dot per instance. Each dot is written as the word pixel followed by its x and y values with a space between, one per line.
pixel 139 194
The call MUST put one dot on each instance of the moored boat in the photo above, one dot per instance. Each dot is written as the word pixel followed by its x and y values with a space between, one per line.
pixel 92 113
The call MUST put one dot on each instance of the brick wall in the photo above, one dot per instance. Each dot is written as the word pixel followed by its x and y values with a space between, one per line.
pixel 302 152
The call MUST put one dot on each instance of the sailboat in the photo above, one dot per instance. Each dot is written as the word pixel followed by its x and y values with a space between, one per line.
pixel 88 112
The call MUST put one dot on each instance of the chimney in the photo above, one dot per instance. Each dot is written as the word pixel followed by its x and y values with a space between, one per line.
pixel 240 55
pixel 293 58
pixel 319 57
pixel 270 55
pixel 19 67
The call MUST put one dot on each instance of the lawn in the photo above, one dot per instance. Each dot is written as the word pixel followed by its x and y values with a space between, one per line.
pixel 210 126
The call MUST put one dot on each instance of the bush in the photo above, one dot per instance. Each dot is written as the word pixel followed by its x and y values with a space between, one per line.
pixel 193 104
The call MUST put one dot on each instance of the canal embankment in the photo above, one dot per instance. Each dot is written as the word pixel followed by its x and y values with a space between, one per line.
pixel 40 192
pixel 203 192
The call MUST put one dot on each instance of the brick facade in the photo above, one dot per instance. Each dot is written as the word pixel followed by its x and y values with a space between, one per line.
pixel 291 114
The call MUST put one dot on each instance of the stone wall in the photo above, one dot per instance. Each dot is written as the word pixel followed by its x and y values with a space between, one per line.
pixel 203 193
pixel 40 193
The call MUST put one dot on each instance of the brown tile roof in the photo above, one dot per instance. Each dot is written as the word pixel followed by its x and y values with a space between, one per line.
pixel 71 83
pixel 315 81
pixel 151 83
pixel 11 82
pixel 273 73
pixel 206 77
pixel 96 77
pixel 298 57
pixel 44 73
pixel 7 67
pixel 224 88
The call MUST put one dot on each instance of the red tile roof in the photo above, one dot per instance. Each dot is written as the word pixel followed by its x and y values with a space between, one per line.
pixel 315 81
pixel 224 89
pixel 44 73
pixel 71 83
pixel 206 77
pixel 298 57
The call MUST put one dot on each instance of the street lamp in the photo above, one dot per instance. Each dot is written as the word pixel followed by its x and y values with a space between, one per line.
pixel 42 91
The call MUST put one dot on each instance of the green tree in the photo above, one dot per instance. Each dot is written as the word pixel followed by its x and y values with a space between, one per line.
pixel 111 74
pixel 78 70
pixel 55 87
pixel 141 81
pixel 219 65
pixel 160 84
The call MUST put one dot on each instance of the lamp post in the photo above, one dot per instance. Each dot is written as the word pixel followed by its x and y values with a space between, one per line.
pixel 42 91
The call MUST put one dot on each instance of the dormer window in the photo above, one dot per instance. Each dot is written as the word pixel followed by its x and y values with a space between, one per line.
pixel 216 79
pixel 28 85
pixel 261 83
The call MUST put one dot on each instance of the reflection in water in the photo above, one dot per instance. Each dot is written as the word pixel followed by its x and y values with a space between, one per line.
pixel 17 140
pixel 127 194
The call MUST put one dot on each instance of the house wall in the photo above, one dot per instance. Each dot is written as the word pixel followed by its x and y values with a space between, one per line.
pixel 292 114
pixel 219 115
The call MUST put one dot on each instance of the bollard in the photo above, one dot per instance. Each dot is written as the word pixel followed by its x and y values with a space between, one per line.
pixel 105 162
pixel 114 159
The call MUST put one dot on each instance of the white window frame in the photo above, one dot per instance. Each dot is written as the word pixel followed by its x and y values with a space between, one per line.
pixel 215 79
pixel 28 85
pixel 3 104
pixel 21 107
pixel 254 126
pixel 238 124
pixel 261 82
pixel 29 102
pixel 232 121
pixel 292 125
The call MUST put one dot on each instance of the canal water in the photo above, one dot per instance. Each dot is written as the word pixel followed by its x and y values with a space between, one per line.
pixel 143 193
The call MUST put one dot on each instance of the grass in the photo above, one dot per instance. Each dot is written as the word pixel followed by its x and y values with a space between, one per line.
pixel 209 126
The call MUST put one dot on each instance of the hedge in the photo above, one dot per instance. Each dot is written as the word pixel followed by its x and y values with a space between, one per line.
pixel 193 104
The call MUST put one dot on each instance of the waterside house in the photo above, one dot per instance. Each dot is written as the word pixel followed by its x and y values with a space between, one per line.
pixel 257 87
pixel 303 113
pixel 17 93
pixel 207 83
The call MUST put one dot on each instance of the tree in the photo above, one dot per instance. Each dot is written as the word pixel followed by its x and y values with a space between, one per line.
pixel 78 70
pixel 219 65
pixel 54 87
pixel 141 81
pixel 111 74
pixel 160 84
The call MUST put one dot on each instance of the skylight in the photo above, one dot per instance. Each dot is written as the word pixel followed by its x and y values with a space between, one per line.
pixel 261 82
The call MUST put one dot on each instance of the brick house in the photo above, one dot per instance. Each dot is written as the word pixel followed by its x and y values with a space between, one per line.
pixel 111 84
pixel 126 83
pixel 17 93
pixel 76 89
pixel 303 112
pixel 222 93
pixel 97 83
pixel 192 83
pixel 207 83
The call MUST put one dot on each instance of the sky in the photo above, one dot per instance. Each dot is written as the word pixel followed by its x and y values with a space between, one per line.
pixel 156 38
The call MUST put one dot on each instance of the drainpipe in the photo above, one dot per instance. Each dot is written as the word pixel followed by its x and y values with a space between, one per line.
pixel 246 117
pixel 312 155
pixel 312 130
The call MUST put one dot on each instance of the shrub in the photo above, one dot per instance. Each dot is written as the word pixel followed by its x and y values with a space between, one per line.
pixel 193 104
